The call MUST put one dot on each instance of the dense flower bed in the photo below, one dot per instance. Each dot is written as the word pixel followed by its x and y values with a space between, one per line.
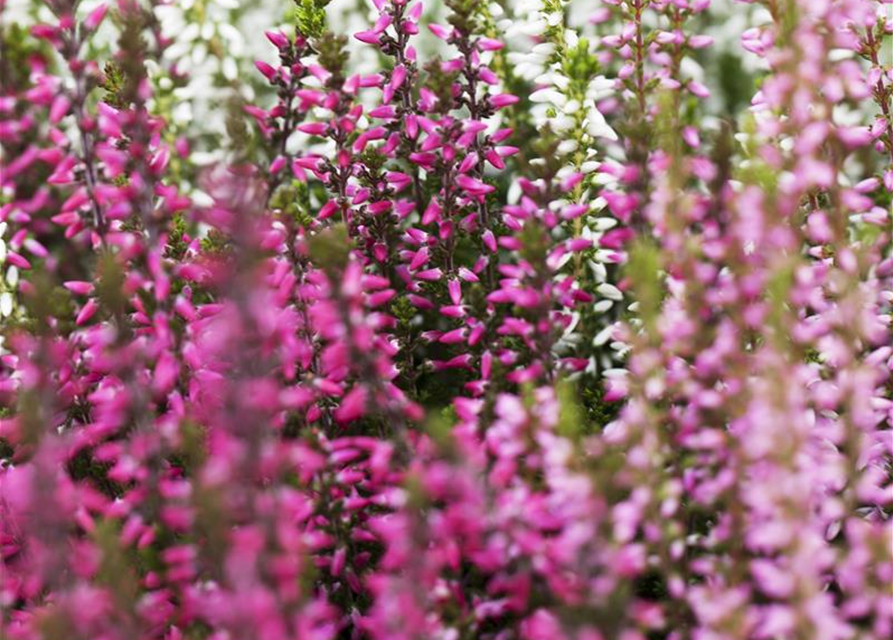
pixel 528 320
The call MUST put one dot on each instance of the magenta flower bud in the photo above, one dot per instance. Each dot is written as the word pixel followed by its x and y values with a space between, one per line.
pixel 266 69
pixel 278 164
pixel 95 17
pixel 278 39
pixel 698 89
pixel 579 244
pixel 372 80
pixel 468 163
pixel 60 108
pixel 700 42
pixel 573 211
pixel 381 297
pixel 66 219
pixel 86 312
pixel 310 96
pixel 314 128
pixel 353 406
pixel 489 44
pixel 308 162
pixel 493 158
pixel 501 100
pixel 44 31
pixel 456 336
pixel 444 33
pixel 455 289
pixel 474 186
pixel 160 160
pixel 398 75
pixel 383 22
pixel 432 213
pixel 420 302
pixel 430 275
pixel 17 260
pixel 327 210
pixel 385 112
pixel 489 241
pixel 368 37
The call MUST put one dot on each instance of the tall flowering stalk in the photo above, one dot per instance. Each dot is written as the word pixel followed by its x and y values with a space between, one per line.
pixel 473 322
pixel 765 376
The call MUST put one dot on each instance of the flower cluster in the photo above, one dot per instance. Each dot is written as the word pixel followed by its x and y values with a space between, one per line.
pixel 528 320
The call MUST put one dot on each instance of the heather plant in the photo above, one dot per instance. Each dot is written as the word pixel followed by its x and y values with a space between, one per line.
pixel 530 319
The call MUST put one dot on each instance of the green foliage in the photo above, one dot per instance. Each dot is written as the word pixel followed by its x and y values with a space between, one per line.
pixel 535 243
pixel 571 419
pixel 464 15
pixel 331 51
pixel 49 302
pixel 192 451
pixel 84 466
pixel 216 244
pixel 580 66
pixel 293 199
pixel 113 85
pixel 176 239
pixel 310 16
pixel 110 286
pixel 330 248
pixel 597 412
pixel 373 163
pixel 777 294
pixel 131 55
pixel 16 47
pixel 644 271
pixel 116 569
pixel 403 311
pixel 242 141
pixel 544 147
pixel 440 83
pixel 440 426
pixel 735 83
